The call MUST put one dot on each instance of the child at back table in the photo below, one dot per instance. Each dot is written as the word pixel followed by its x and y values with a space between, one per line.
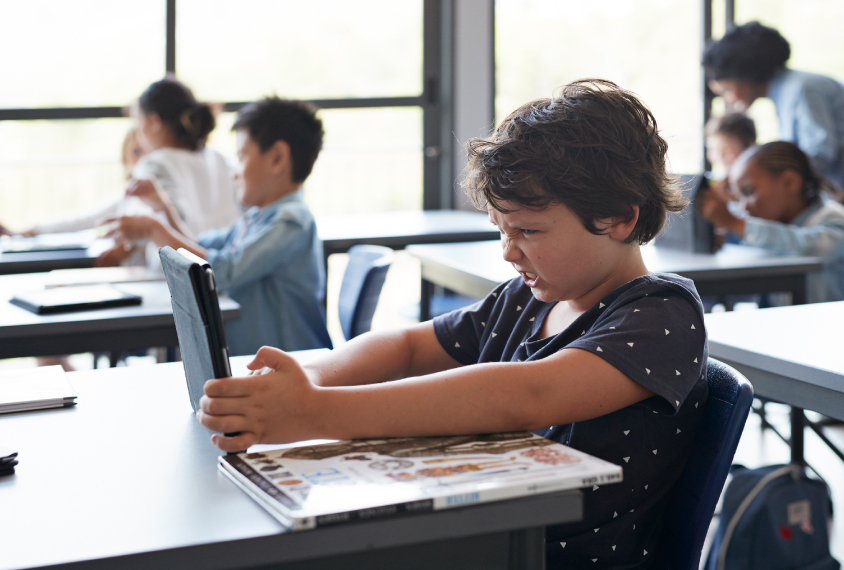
pixel 270 260
pixel 585 347
pixel 790 210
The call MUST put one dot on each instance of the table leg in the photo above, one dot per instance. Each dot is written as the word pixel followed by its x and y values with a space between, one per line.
pixel 425 300
pixel 797 424
pixel 527 549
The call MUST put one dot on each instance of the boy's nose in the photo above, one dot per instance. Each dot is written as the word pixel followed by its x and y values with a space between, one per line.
pixel 509 250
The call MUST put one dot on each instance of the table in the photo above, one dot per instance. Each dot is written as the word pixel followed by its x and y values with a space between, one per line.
pixel 790 354
pixel 397 230
pixel 128 479
pixel 475 269
pixel 150 324
pixel 40 261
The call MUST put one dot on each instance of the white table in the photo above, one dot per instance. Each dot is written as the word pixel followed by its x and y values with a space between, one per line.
pixel 149 324
pixel 128 479
pixel 476 268
pixel 793 355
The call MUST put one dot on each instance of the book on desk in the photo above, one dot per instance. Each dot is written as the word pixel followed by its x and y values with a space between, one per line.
pixel 35 389
pixel 309 486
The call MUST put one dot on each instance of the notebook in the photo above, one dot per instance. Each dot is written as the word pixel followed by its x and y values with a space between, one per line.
pixel 689 231
pixel 68 299
pixel 310 486
pixel 47 242
pixel 199 323
pixel 35 389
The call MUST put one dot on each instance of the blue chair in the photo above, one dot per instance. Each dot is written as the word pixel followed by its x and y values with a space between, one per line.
pixel 694 497
pixel 361 287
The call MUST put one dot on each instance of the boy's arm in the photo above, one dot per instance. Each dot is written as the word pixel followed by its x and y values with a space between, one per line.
pixel 282 404
pixel 133 228
pixel 258 254
pixel 382 356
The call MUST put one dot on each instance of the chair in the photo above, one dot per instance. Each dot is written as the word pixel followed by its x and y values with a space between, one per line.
pixel 361 287
pixel 694 497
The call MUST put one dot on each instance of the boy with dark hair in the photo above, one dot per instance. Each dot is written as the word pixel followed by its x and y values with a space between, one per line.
pixel 270 261
pixel 585 347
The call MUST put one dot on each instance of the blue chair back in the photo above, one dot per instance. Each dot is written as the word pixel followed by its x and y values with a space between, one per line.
pixel 694 497
pixel 361 287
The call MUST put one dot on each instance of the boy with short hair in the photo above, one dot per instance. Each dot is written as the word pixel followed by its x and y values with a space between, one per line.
pixel 270 261
pixel 585 347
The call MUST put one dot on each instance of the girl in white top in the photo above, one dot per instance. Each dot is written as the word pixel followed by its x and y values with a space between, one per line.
pixel 178 177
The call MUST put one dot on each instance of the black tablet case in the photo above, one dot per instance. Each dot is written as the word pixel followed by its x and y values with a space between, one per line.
pixel 53 301
pixel 199 324
pixel 689 231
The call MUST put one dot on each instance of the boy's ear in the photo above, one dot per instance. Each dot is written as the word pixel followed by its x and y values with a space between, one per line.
pixel 619 228
pixel 280 159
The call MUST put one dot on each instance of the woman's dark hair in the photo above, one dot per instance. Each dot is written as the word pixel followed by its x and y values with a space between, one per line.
pixel 189 121
pixel 777 157
pixel 736 125
pixel 295 122
pixel 594 148
pixel 752 53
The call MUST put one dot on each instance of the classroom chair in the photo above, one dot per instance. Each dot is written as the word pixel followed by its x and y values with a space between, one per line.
pixel 692 504
pixel 361 287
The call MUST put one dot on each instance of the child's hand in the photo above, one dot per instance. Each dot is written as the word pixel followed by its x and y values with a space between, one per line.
pixel 115 255
pixel 4 231
pixel 712 204
pixel 148 192
pixel 131 228
pixel 272 405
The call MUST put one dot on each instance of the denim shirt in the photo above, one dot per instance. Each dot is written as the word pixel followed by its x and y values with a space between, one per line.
pixel 810 109
pixel 816 231
pixel 270 261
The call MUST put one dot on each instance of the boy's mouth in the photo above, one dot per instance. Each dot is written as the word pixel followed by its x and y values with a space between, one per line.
pixel 530 278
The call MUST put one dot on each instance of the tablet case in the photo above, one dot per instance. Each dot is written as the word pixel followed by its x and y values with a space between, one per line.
pixel 68 299
pixel 199 324
pixel 689 231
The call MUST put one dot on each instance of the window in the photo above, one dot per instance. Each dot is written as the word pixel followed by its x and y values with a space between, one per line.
pixel 651 47
pixel 84 60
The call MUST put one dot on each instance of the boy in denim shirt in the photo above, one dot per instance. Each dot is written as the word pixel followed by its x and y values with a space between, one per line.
pixel 270 261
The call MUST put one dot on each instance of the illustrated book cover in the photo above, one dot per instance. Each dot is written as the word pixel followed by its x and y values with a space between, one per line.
pixel 329 483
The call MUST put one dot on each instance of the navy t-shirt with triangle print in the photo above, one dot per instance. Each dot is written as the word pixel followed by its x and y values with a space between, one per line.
pixel 651 329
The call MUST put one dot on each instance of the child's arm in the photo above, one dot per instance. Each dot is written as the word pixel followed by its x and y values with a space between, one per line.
pixel 817 240
pixel 131 228
pixel 149 193
pixel 712 204
pixel 283 404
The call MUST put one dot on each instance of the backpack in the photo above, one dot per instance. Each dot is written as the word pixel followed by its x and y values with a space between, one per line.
pixel 773 518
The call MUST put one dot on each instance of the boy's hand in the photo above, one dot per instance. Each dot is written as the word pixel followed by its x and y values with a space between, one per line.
pixel 148 192
pixel 272 405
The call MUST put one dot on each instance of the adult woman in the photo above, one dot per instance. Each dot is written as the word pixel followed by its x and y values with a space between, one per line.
pixel 750 62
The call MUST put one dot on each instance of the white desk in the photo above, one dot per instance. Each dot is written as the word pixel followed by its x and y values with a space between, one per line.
pixel 128 479
pixel 793 355
pixel 23 333
pixel 476 268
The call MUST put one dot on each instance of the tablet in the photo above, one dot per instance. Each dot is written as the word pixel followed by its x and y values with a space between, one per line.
pixel 199 324
pixel 689 231
pixel 67 299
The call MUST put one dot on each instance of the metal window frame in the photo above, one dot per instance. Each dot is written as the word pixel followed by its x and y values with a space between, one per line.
pixel 436 82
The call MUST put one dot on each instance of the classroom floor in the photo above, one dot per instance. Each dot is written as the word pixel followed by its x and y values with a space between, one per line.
pixel 399 305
